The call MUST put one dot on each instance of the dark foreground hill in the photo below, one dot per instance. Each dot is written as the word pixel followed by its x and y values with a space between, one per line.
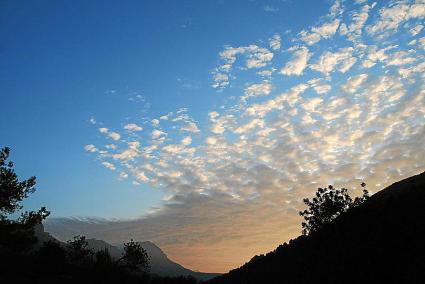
pixel 381 241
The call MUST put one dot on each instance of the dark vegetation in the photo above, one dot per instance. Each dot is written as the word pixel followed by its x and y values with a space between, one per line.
pixel 328 204
pixel 380 239
pixel 24 260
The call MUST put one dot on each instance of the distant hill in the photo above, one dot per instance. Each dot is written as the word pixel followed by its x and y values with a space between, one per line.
pixel 160 264
pixel 159 261
pixel 381 241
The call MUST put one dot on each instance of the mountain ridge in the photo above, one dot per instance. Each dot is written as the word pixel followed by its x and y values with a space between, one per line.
pixel 379 241
pixel 160 263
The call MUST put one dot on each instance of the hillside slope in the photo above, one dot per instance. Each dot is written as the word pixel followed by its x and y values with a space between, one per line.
pixel 160 263
pixel 381 241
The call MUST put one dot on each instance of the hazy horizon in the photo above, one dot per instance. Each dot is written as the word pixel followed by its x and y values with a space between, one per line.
pixel 201 126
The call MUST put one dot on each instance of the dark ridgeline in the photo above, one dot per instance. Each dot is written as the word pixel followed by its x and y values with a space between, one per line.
pixel 380 241
pixel 159 262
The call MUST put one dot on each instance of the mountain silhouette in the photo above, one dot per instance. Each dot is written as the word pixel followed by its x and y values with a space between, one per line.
pixel 380 241
pixel 160 263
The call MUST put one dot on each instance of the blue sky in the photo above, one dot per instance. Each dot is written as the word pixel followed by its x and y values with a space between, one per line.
pixel 207 122
pixel 61 60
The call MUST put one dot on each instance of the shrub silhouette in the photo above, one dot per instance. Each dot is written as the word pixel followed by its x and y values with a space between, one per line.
pixel 78 251
pixel 17 235
pixel 327 205
pixel 135 257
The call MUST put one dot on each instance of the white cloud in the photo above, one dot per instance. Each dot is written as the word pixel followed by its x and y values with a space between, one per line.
pixel 219 124
pixel 165 117
pixel 133 127
pixel 316 34
pixel 319 86
pixel 111 146
pixel 310 38
pixel 401 58
pixel 255 57
pixel 421 43
pixel 407 72
pixel 298 63
pixel 173 149
pixel 217 128
pixel 342 60
pixel 390 18
pixel 114 135
pixel 140 175
pixel 109 166
pixel 155 122
pixel 259 58
pixel 130 153
pixel 90 148
pixel 213 114
pixel 312 104
pixel 275 42
pixel 221 80
pixel 358 21
pixel 187 140
pixel 291 97
pixel 157 133
pixel 123 175
pixel 266 73
pixel 374 55
pixel 190 127
pixel 336 9
pixel 255 90
pixel 416 30
pixel 211 140
pixel 353 83
pixel 256 122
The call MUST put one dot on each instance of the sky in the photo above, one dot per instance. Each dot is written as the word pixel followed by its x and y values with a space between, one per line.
pixel 201 125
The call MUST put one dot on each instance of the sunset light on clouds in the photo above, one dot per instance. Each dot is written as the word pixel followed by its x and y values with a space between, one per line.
pixel 338 99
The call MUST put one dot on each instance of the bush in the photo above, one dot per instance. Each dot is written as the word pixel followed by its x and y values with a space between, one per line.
pixel 327 205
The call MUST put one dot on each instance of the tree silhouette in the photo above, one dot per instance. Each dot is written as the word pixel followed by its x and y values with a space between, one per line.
pixel 16 235
pixel 327 205
pixel 135 257
pixel 78 250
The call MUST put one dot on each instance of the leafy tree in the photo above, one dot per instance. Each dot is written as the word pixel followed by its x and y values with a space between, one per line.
pixel 12 191
pixel 135 257
pixel 78 250
pixel 327 205
pixel 16 235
